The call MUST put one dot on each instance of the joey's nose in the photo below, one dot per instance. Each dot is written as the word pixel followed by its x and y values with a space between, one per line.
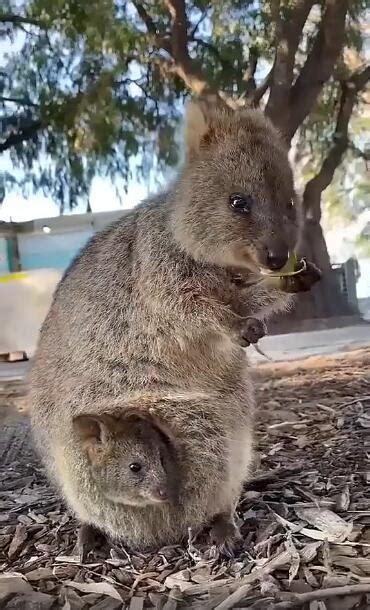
pixel 276 259
pixel 161 493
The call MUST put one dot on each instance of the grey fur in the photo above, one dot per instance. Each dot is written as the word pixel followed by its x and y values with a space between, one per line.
pixel 147 317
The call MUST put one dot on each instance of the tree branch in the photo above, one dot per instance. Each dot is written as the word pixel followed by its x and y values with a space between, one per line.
pixel 288 32
pixel 20 20
pixel 362 154
pixel 179 38
pixel 349 93
pixel 182 64
pixel 260 91
pixel 22 135
pixel 159 40
pixel 198 23
pixel 192 78
pixel 176 45
pixel 14 100
pixel 225 63
pixel 319 64
pixel 144 15
pixel 280 80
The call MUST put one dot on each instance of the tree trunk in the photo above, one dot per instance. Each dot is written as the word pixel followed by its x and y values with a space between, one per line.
pixel 325 300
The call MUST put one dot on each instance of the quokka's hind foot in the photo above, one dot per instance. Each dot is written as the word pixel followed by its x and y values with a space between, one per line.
pixel 89 538
pixel 225 535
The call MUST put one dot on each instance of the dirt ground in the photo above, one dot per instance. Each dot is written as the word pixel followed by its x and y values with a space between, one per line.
pixel 305 514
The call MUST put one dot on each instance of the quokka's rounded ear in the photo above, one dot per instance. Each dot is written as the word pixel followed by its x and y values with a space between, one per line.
pixel 199 128
pixel 195 128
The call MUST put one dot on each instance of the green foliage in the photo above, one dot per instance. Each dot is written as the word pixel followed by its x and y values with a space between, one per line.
pixel 87 88
pixel 84 74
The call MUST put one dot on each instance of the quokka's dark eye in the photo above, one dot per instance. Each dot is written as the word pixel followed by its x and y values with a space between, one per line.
pixel 241 203
pixel 290 205
pixel 135 467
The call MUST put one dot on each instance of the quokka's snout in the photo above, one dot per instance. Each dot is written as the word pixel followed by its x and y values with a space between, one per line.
pixel 275 255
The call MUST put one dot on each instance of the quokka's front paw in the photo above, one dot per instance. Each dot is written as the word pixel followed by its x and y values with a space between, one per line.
pixel 252 331
pixel 302 282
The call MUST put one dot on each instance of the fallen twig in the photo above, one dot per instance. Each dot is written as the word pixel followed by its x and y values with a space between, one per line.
pixel 298 599
pixel 353 402
pixel 247 582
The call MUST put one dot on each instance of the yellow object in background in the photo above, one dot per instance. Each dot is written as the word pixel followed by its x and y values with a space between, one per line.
pixel 10 277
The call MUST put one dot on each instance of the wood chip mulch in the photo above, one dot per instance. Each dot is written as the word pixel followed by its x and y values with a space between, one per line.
pixel 305 515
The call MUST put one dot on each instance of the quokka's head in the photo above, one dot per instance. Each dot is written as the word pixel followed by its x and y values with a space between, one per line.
pixel 235 203
pixel 132 459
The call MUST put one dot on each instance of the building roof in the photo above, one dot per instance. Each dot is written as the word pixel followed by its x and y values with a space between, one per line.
pixel 70 222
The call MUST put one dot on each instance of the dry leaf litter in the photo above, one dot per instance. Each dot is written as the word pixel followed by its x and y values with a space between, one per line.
pixel 304 515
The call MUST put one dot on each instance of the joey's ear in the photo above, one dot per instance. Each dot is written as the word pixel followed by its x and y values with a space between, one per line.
pixel 199 128
pixel 94 430
pixel 164 429
pixel 148 418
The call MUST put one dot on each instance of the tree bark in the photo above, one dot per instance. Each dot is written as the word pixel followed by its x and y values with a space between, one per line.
pixel 288 105
pixel 325 299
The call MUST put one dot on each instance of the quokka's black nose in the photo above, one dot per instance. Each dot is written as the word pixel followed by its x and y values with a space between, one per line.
pixel 276 260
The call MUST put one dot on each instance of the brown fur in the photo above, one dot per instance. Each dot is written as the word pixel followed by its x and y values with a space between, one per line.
pixel 147 316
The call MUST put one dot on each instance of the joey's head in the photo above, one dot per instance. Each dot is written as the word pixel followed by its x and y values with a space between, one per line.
pixel 235 204
pixel 132 460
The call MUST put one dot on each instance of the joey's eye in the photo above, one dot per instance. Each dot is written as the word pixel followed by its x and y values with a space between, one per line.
pixel 290 205
pixel 135 467
pixel 241 203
